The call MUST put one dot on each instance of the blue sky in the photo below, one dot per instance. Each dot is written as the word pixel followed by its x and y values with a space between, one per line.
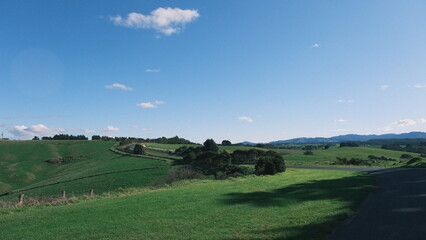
pixel 237 70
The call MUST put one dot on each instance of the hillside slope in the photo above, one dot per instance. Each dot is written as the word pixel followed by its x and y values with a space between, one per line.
pixel 23 165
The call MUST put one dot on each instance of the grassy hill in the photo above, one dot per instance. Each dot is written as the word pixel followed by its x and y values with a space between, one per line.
pixel 23 166
pixel 298 204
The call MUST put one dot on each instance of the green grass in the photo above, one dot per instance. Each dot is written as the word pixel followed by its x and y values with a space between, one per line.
pixel 23 166
pixel 299 204
pixel 323 157
pixel 328 156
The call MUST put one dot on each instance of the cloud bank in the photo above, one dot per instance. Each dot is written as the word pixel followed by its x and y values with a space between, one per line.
pixel 23 131
pixel 164 20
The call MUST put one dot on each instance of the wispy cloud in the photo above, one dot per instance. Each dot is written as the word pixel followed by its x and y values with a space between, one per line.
pixel 150 70
pixel 422 120
pixel 118 86
pixel 164 20
pixel 245 118
pixel 418 85
pixel 111 129
pixel 345 101
pixel 22 131
pixel 340 121
pixel 405 122
pixel 384 87
pixel 315 45
pixel 150 104
pixel 400 123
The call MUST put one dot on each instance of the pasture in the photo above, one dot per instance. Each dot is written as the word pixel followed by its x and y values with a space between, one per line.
pixel 298 204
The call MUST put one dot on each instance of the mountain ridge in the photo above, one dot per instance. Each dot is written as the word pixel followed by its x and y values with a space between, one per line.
pixel 344 138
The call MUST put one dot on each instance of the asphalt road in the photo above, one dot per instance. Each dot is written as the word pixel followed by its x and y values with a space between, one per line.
pixel 396 210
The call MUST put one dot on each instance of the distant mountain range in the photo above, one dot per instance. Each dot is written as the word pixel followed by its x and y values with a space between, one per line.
pixel 344 138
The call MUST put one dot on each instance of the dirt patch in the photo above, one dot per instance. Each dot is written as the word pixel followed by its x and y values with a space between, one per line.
pixel 30 177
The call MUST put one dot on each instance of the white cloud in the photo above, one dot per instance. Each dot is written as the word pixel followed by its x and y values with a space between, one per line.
pixel 23 131
pixel 405 122
pixel 422 120
pixel 384 87
pixel 119 86
pixel 340 121
pixel 150 104
pixel 386 128
pixel 418 85
pixel 315 45
pixel 400 123
pixel 245 118
pixel 345 101
pixel 89 131
pixel 111 129
pixel 152 70
pixel 164 20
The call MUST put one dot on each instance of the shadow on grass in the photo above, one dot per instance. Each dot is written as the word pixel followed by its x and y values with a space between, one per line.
pixel 349 191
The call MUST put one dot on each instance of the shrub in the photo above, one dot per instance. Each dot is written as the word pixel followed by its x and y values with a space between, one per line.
pixel 406 156
pixel 138 149
pixel 308 153
pixel 177 174
pixel 413 160
pixel 270 165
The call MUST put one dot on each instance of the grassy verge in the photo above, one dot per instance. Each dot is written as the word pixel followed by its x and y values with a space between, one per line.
pixel 299 204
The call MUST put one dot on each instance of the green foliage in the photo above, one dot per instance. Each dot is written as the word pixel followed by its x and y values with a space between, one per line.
pixel 270 165
pixel 406 156
pixel 308 152
pixel 226 143
pixel 349 144
pixel 96 137
pixel 66 137
pixel 138 149
pixel 36 138
pixel 210 145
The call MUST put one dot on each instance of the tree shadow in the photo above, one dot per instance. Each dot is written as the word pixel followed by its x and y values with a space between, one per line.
pixel 336 189
pixel 342 190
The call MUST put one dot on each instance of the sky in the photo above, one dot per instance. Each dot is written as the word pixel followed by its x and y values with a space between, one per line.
pixel 240 70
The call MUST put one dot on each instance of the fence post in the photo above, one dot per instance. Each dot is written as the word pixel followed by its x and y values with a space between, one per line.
pixel 64 194
pixel 91 192
pixel 21 199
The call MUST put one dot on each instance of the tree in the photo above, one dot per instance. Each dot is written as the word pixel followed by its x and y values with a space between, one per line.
pixel 36 138
pixel 226 143
pixel 210 145
pixel 138 149
pixel 270 165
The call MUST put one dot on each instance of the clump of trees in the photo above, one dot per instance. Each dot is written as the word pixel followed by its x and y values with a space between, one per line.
pixel 349 144
pixel 63 137
pixel 308 152
pixel 138 149
pixel 210 161
pixel 352 161
pixel 415 148
pixel 383 158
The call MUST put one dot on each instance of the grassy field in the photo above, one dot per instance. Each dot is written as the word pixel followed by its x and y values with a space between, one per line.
pixel 298 204
pixel 23 166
